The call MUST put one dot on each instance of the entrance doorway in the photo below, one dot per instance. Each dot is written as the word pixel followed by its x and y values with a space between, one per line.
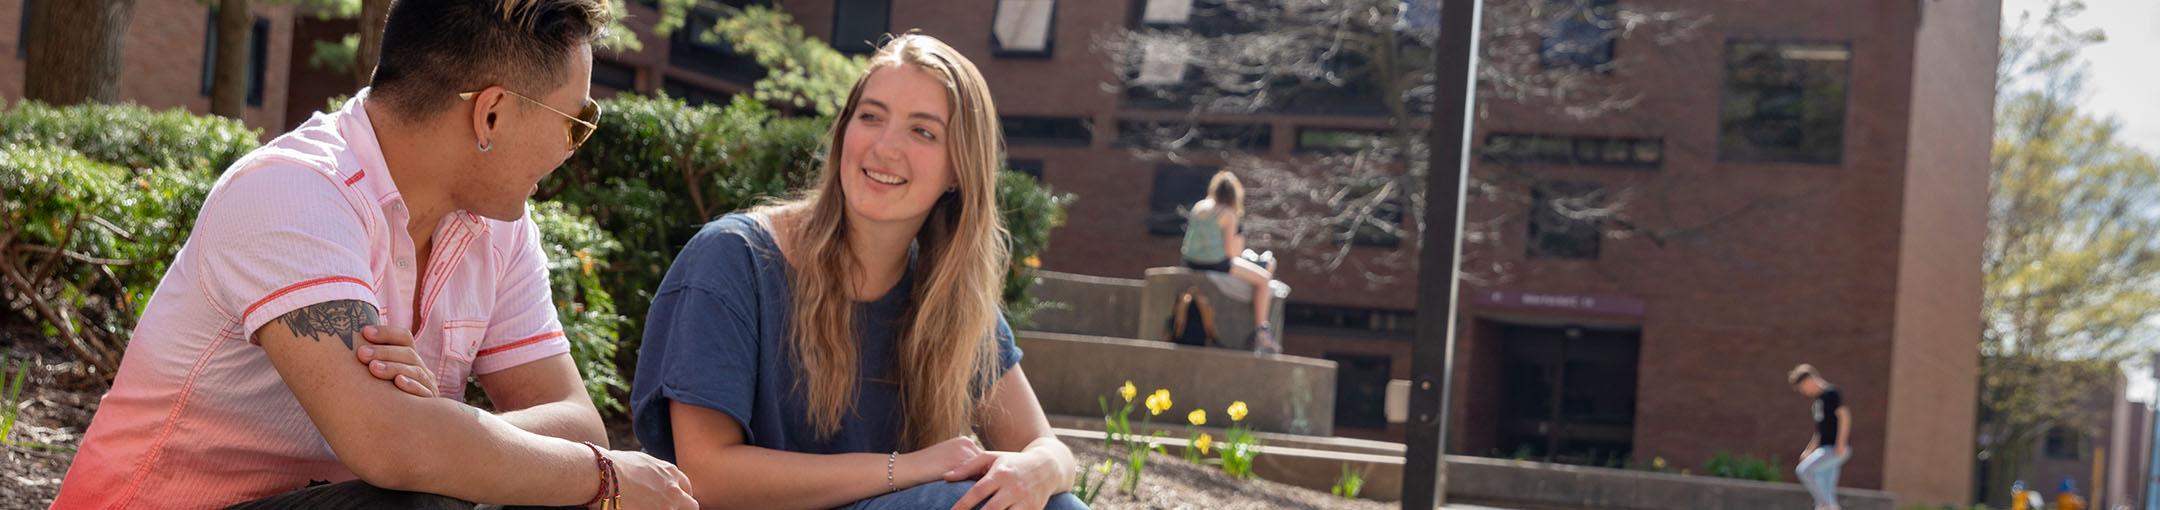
pixel 1568 393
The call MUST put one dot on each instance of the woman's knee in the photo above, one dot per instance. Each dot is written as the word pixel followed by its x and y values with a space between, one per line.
pixel 1065 501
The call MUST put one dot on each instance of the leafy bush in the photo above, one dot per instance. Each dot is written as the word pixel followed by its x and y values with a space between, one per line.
pixel 1744 467
pixel 576 248
pixel 86 238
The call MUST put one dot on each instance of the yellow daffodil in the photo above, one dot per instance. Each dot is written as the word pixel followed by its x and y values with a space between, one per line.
pixel 1032 262
pixel 1158 402
pixel 1203 442
pixel 1658 463
pixel 1237 411
pixel 1127 391
pixel 1198 417
pixel 1104 468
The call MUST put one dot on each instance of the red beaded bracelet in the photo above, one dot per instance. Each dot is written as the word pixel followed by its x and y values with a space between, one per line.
pixel 610 495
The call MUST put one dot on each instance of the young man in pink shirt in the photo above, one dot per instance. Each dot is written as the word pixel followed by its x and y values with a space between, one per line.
pixel 343 281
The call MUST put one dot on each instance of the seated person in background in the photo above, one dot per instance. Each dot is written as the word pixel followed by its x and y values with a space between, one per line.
pixel 838 350
pixel 342 281
pixel 1213 242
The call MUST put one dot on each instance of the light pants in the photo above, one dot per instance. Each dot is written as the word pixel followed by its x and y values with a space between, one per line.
pixel 1819 473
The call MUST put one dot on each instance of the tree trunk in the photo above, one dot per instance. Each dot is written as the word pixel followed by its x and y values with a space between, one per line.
pixel 228 82
pixel 73 52
pixel 372 13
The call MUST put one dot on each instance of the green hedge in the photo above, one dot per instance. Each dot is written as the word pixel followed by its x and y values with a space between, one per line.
pixel 97 199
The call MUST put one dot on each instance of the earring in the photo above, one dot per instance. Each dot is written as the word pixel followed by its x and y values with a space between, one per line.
pixel 485 145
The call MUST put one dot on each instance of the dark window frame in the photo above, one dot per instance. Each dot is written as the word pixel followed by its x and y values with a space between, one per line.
pixel 693 94
pixel 1576 239
pixel 1033 167
pixel 1738 135
pixel 1047 130
pixel 848 44
pixel 1582 16
pixel 1299 146
pixel 1247 137
pixel 1343 321
pixel 258 57
pixel 1522 148
pixel 688 50
pixel 1164 218
pixel 1370 411
pixel 604 68
pixel 997 48
pixel 22 31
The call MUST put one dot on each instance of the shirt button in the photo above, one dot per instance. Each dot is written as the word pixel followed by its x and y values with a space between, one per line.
pixel 404 263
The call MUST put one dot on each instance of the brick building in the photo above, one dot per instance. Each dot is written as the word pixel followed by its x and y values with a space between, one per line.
pixel 164 61
pixel 1814 174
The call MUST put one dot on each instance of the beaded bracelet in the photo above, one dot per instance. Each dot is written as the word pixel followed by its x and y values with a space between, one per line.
pixel 889 487
pixel 610 495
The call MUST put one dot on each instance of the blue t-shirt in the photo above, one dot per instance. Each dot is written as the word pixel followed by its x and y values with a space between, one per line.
pixel 717 338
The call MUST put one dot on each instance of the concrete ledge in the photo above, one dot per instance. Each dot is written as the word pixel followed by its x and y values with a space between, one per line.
pixel 1233 310
pixel 1092 305
pixel 1316 462
pixel 1288 394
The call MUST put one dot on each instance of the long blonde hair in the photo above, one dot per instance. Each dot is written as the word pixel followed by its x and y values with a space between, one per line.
pixel 946 350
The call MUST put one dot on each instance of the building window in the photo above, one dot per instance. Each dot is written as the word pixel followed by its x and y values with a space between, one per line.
pixel 1023 28
pixel 694 95
pixel 1367 219
pixel 1563 222
pixel 695 48
pixel 859 26
pixel 1784 102
pixel 1177 187
pixel 1031 167
pixel 1518 148
pixel 613 77
pixel 258 54
pixel 2066 443
pixel 1344 321
pixel 1579 35
pixel 22 31
pixel 1338 141
pixel 1053 131
pixel 1164 12
pixel 1360 389
pixel 1180 135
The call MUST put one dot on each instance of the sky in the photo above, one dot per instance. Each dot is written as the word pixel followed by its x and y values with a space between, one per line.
pixel 2123 78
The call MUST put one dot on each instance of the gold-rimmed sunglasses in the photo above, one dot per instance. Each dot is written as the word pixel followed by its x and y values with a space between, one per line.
pixel 581 125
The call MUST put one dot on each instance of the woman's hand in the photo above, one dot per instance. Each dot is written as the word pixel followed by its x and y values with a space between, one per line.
pixel 1010 480
pixel 939 460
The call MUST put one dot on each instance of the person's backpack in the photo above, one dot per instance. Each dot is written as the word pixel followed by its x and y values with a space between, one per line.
pixel 1193 321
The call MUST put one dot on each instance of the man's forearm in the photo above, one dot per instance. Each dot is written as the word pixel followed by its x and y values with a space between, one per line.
pixel 464 453
pixel 564 420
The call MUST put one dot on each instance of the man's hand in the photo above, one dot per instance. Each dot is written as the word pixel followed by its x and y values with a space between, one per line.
pixel 648 482
pixel 389 355
pixel 1008 480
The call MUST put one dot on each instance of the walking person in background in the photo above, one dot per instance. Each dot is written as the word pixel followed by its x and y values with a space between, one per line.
pixel 1213 243
pixel 1819 463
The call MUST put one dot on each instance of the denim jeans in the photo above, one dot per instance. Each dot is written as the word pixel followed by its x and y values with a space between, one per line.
pixel 1819 472
pixel 942 495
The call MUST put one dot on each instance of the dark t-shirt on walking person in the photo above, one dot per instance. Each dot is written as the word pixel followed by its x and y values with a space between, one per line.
pixel 1826 418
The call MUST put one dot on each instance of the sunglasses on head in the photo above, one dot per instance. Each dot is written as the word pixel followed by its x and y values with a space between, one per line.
pixel 581 125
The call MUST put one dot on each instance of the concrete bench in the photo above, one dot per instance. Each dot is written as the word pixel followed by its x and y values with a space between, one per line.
pixel 1230 296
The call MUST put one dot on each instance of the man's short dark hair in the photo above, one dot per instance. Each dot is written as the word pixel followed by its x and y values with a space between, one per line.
pixel 434 49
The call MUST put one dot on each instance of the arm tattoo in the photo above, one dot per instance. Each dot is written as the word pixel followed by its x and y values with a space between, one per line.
pixel 342 319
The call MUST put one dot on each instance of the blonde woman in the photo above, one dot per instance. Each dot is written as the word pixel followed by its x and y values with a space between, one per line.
pixel 1214 243
pixel 840 349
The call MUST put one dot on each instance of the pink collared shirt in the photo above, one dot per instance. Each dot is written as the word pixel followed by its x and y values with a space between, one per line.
pixel 199 418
